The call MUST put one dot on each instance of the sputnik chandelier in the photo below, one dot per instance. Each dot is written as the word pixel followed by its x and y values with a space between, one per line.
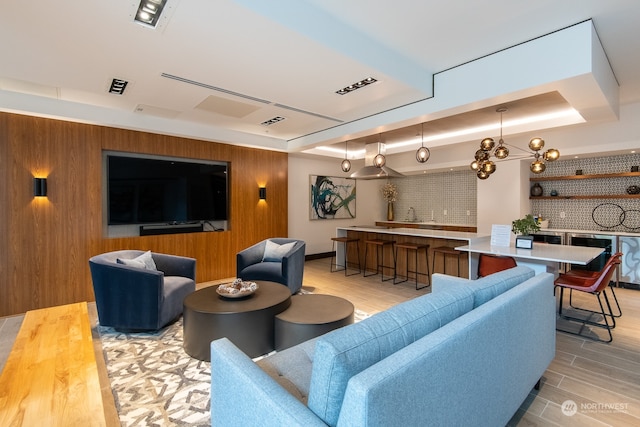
pixel 484 166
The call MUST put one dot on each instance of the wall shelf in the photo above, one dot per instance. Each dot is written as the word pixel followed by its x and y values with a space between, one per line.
pixel 590 196
pixel 595 176
pixel 601 196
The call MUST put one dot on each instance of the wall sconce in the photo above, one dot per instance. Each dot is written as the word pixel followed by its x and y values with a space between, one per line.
pixel 262 193
pixel 39 187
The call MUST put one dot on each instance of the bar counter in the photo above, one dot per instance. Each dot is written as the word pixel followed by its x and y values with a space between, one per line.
pixel 542 257
pixel 433 238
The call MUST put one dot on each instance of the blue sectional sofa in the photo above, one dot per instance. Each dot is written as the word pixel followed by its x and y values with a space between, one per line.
pixel 468 353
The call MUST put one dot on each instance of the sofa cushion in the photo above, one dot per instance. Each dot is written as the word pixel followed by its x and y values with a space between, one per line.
pixel 143 261
pixel 291 368
pixel 342 353
pixel 274 252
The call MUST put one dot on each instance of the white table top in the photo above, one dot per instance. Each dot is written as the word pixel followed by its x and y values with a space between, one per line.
pixel 417 232
pixel 541 251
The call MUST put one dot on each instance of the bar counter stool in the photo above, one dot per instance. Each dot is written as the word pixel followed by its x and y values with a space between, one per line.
pixel 444 251
pixel 379 244
pixel 415 248
pixel 334 258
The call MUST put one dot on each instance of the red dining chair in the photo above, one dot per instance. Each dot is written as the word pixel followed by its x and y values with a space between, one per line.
pixel 489 264
pixel 617 258
pixel 592 285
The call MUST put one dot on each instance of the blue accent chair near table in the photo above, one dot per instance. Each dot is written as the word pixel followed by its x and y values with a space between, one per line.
pixel 131 295
pixel 279 260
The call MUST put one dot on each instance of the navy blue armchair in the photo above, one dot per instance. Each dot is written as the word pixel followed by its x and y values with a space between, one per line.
pixel 134 298
pixel 270 261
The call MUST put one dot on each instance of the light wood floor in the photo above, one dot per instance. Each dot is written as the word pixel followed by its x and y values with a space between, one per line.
pixel 602 379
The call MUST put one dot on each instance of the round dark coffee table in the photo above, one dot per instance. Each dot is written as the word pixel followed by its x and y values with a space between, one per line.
pixel 310 316
pixel 247 322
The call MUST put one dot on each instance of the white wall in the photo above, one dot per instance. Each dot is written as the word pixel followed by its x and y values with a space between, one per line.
pixel 317 233
pixel 504 196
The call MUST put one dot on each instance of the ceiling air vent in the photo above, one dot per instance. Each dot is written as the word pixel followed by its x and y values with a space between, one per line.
pixel 118 86
pixel 272 121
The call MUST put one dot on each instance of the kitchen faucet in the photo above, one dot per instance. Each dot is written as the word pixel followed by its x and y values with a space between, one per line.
pixel 411 215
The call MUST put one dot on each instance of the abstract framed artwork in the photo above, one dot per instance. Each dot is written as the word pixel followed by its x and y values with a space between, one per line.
pixel 332 197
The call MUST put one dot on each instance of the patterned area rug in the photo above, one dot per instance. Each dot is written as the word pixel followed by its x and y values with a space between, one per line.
pixel 154 382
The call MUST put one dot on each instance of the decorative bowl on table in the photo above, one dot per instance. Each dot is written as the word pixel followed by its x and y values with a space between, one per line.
pixel 237 289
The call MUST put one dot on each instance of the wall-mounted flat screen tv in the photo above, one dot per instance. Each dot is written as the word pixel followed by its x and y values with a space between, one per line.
pixel 145 190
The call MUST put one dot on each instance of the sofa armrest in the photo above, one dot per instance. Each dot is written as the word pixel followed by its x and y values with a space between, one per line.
pixel 173 265
pixel 293 265
pixel 126 294
pixel 242 394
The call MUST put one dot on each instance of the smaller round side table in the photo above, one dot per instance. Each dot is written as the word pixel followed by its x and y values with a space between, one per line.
pixel 309 316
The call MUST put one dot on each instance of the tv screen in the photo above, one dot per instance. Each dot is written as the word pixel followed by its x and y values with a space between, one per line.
pixel 154 190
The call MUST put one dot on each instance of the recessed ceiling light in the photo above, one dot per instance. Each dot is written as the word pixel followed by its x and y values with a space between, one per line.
pixel 149 12
pixel 118 86
pixel 272 121
pixel 356 85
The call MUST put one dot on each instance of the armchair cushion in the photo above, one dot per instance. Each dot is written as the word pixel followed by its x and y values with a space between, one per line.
pixel 269 271
pixel 143 261
pixel 274 252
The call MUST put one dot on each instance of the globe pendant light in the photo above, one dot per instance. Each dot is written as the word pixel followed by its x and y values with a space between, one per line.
pixel 482 165
pixel 538 165
pixel 346 164
pixel 423 154
pixel 501 152
pixel 379 160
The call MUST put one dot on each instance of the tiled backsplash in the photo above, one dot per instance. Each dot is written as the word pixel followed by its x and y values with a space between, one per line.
pixel 433 194
pixel 579 213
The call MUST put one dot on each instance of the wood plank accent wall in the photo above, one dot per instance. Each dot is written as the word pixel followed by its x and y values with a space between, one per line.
pixel 46 242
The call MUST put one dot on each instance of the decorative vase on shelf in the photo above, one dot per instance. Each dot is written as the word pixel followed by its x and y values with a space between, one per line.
pixel 390 211
pixel 536 190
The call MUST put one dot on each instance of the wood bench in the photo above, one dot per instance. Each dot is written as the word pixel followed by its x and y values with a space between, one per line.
pixel 51 376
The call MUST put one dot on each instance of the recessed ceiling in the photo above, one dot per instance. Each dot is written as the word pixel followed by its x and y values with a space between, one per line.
pixel 516 110
pixel 286 56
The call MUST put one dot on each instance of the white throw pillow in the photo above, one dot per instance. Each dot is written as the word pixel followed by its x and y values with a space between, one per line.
pixel 275 252
pixel 143 261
